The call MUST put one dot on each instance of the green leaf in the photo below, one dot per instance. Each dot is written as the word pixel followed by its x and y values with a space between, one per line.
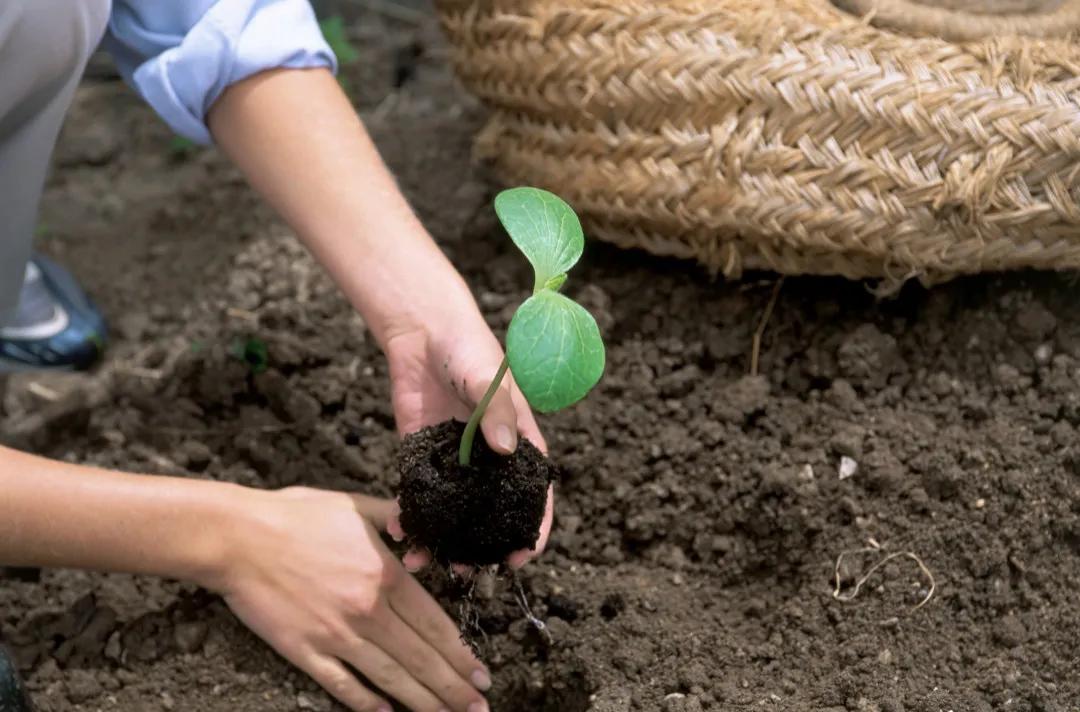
pixel 543 227
pixel 333 29
pixel 253 352
pixel 180 147
pixel 555 351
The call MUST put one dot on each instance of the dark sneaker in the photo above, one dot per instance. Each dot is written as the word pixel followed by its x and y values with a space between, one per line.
pixel 12 694
pixel 56 326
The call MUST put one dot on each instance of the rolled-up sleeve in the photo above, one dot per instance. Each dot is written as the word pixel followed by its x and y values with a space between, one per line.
pixel 180 56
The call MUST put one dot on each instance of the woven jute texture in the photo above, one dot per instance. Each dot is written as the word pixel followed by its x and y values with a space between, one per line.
pixel 874 139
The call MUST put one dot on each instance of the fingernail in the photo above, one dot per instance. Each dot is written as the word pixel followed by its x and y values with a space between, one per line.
pixel 384 708
pixel 481 680
pixel 504 438
pixel 479 707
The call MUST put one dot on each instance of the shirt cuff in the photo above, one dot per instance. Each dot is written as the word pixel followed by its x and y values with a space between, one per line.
pixel 233 40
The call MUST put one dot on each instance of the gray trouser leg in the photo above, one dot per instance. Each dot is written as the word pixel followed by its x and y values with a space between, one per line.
pixel 44 45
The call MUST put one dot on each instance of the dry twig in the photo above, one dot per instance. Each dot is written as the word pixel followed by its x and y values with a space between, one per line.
pixel 755 352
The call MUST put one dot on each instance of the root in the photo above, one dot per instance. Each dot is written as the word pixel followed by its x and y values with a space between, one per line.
pixel 469 618
pixel 839 595
pixel 755 351
pixel 523 602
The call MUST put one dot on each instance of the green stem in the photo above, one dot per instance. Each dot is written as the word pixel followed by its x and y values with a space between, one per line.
pixel 465 451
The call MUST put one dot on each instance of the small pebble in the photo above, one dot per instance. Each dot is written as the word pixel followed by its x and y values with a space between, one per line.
pixel 82 686
pixel 848 467
pixel 190 637
pixel 308 701
pixel 1009 631
pixel 673 701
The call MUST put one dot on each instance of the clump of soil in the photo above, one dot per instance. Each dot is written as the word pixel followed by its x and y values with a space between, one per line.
pixel 473 514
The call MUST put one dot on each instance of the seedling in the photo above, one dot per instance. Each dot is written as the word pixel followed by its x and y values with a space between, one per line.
pixel 553 345
pixel 253 352
pixel 181 148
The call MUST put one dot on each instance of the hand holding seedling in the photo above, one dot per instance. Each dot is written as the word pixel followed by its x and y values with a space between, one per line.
pixel 472 506
pixel 553 346
pixel 439 371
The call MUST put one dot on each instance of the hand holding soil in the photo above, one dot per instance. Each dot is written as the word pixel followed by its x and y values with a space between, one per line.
pixel 440 371
pixel 474 503
pixel 311 577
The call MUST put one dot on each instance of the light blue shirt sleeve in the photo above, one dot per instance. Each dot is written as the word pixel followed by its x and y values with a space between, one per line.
pixel 180 55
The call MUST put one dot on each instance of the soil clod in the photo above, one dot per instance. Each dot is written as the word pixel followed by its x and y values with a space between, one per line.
pixel 476 514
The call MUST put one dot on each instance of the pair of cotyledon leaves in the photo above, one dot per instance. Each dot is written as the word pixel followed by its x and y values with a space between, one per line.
pixel 553 344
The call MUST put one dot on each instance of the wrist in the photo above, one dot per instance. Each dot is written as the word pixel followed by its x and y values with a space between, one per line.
pixel 412 292
pixel 210 553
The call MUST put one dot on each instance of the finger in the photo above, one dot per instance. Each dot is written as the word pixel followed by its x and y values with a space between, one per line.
pixel 526 421
pixel 423 614
pixel 424 663
pixel 393 524
pixel 519 558
pixel 386 673
pixel 416 559
pixel 499 425
pixel 343 685
pixel 376 510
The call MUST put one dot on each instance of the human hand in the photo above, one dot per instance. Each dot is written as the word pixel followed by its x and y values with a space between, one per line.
pixel 308 573
pixel 440 371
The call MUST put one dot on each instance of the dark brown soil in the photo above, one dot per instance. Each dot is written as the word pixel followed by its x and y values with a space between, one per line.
pixel 701 514
pixel 477 514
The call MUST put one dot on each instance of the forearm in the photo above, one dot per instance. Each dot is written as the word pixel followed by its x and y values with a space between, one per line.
pixel 58 515
pixel 301 144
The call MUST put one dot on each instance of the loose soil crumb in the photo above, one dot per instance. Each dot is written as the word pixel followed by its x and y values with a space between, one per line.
pixel 477 514
pixel 700 513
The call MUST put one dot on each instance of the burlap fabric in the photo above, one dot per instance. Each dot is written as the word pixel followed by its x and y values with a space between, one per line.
pixel 883 138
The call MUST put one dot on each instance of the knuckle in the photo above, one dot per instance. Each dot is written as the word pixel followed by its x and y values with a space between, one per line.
pixel 337 636
pixel 384 671
pixel 339 683
pixel 362 604
pixel 390 576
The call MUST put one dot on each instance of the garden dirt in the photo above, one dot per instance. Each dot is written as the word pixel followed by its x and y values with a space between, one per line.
pixel 477 514
pixel 702 511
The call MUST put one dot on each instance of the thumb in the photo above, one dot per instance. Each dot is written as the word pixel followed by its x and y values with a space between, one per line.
pixel 499 424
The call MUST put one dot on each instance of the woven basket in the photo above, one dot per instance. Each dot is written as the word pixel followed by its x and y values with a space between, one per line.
pixel 882 139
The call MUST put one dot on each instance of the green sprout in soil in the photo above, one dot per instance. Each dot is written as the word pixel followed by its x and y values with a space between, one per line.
pixel 181 147
pixel 553 345
pixel 253 352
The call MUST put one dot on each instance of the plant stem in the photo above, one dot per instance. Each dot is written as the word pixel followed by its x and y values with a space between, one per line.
pixel 465 451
